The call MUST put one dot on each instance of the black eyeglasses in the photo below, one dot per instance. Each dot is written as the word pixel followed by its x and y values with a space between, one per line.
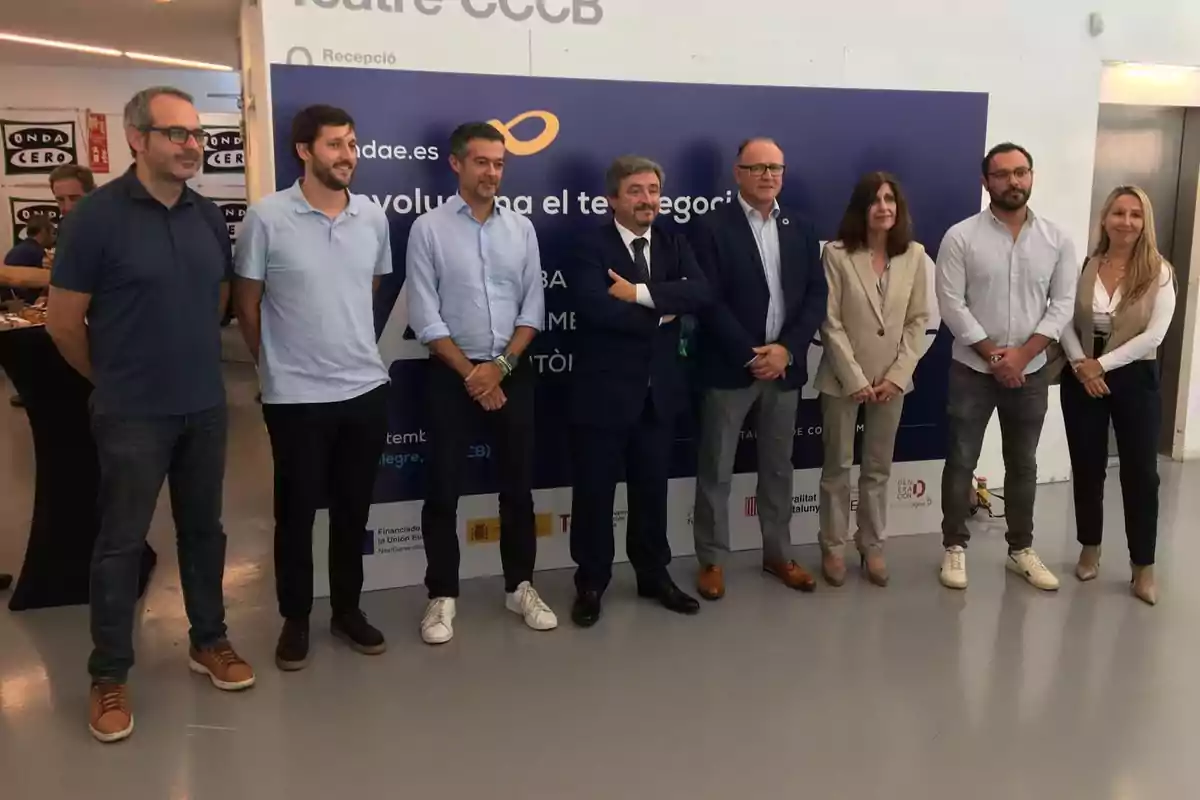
pixel 177 134
pixel 1020 173
pixel 758 169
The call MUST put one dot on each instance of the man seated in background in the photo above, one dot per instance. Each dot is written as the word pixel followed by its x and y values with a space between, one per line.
pixel 25 274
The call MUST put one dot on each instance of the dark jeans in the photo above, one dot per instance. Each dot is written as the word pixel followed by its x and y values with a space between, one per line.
pixel 452 418
pixel 973 396
pixel 1135 408
pixel 600 457
pixel 136 454
pixel 324 452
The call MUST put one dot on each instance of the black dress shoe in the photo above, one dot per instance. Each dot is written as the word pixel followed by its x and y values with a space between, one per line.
pixel 669 596
pixel 5 581
pixel 586 611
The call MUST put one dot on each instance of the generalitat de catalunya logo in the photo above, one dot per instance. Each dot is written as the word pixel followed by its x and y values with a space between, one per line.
pixel 527 147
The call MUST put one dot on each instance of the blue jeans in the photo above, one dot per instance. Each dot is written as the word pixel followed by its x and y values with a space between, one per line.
pixel 136 455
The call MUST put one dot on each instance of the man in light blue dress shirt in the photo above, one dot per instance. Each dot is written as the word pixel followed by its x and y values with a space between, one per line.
pixel 1006 282
pixel 309 259
pixel 475 299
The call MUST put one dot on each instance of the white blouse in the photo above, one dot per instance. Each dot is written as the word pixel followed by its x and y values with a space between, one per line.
pixel 1137 348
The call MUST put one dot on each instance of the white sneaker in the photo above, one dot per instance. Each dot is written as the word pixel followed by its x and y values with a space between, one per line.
pixel 954 568
pixel 437 627
pixel 1027 564
pixel 528 603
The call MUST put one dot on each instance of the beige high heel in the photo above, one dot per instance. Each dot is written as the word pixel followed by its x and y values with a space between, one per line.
pixel 1143 586
pixel 1089 563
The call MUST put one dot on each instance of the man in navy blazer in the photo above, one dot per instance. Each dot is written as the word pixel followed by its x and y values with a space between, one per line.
pixel 769 298
pixel 631 280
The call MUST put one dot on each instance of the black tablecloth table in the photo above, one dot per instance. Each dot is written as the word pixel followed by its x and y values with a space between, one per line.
pixel 65 513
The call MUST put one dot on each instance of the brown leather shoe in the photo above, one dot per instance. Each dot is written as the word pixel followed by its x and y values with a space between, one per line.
pixel 833 569
pixel 710 583
pixel 223 666
pixel 792 574
pixel 109 717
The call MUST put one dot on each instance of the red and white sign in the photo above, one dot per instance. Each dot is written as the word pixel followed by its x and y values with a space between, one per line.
pixel 97 126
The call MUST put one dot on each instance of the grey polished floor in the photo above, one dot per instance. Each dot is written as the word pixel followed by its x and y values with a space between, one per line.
pixel 908 692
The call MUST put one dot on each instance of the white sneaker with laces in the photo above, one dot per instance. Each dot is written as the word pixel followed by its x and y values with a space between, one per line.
pixel 437 626
pixel 1027 564
pixel 528 603
pixel 954 568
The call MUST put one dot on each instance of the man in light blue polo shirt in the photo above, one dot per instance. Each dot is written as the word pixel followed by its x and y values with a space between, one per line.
pixel 308 261
pixel 474 278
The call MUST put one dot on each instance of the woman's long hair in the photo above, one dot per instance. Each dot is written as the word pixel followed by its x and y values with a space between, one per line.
pixel 1146 262
pixel 853 230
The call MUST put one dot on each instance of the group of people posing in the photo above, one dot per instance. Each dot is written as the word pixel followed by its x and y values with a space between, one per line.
pixel 144 265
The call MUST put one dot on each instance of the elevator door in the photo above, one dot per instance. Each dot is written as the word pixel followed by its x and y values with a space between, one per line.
pixel 1143 145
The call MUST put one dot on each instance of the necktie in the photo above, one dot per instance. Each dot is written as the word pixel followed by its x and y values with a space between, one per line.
pixel 639 259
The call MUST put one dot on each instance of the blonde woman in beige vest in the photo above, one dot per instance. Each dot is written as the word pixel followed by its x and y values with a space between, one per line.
pixel 1123 308
pixel 873 337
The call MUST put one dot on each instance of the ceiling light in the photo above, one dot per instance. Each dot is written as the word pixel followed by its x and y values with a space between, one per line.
pixel 82 48
pixel 178 62
pixel 108 51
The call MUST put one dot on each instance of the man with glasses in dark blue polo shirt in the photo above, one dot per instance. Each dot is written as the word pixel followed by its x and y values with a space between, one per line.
pixel 138 288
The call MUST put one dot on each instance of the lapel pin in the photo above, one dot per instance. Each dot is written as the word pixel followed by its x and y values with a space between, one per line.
pixel 785 220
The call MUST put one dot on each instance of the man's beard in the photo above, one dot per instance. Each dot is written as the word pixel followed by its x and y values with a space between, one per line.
pixel 1008 202
pixel 325 175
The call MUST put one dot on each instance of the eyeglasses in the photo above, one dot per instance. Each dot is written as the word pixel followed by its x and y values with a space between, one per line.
pixel 758 170
pixel 177 134
pixel 1020 173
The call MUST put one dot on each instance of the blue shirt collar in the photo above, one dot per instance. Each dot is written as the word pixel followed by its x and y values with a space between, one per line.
pixel 459 206
pixel 302 206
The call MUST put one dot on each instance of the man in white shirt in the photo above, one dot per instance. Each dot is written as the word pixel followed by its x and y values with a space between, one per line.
pixel 1006 288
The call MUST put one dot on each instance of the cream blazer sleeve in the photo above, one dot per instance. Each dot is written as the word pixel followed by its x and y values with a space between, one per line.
pixel 836 343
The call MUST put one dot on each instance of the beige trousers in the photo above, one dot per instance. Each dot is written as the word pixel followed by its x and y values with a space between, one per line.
pixel 839 423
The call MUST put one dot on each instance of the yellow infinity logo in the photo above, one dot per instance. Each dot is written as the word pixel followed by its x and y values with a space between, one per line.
pixel 527 147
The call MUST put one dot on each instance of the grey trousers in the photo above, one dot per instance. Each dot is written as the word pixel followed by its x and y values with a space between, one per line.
pixel 973 397
pixel 839 419
pixel 721 418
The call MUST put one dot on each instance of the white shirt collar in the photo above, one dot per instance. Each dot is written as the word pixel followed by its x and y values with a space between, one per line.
pixel 627 236
pixel 750 210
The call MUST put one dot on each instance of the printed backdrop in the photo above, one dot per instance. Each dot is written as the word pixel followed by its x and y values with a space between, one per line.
pixel 562 135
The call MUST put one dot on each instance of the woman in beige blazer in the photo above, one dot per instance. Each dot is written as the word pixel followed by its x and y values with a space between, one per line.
pixel 873 336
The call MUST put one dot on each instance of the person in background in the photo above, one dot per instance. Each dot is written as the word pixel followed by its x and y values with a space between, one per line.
pixel 310 329
pixel 631 280
pixel 137 292
pixel 1123 308
pixel 873 336
pixel 763 263
pixel 68 183
pixel 1006 287
pixel 475 299
pixel 25 275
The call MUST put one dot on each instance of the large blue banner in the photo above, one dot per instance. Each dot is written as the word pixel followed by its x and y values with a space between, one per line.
pixel 564 133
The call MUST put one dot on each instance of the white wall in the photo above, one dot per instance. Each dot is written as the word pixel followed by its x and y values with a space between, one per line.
pixel 31 92
pixel 1036 60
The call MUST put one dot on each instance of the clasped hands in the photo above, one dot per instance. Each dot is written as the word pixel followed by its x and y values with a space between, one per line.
pixel 483 384
pixel 1091 374
pixel 1007 365
pixel 881 392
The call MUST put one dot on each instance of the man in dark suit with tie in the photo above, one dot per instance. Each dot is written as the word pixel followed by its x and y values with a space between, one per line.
pixel 631 281
pixel 764 266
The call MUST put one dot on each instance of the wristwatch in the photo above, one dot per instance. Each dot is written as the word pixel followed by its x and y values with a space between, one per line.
pixel 507 362
pixel 995 358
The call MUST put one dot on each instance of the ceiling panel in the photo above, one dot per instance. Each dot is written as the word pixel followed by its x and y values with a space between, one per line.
pixel 203 30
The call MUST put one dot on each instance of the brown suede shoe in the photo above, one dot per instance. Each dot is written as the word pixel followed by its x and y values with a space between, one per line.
pixel 109 717
pixel 223 666
pixel 833 569
pixel 875 567
pixel 792 574
pixel 710 583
